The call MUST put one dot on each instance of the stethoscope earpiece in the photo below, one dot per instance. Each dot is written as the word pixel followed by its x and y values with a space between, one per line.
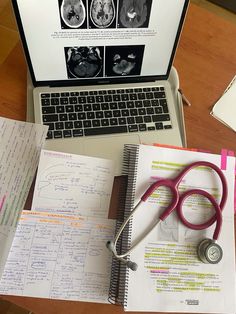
pixel 209 252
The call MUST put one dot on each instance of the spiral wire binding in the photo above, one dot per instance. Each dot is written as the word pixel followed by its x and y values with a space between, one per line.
pixel 119 271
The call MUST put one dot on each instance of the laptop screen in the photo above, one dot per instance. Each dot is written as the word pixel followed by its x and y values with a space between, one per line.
pixel 84 41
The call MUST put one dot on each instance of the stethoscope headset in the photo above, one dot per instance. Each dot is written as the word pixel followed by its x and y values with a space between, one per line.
pixel 208 250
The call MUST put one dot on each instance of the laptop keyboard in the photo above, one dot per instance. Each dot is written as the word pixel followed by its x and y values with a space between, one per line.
pixel 86 113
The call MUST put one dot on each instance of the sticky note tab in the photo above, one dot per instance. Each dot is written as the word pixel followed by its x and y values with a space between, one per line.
pixel 224 154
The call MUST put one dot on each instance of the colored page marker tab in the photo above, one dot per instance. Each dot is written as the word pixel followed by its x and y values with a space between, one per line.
pixel 224 154
pixel 231 153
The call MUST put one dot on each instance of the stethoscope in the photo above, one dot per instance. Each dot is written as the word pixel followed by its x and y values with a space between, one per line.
pixel 208 250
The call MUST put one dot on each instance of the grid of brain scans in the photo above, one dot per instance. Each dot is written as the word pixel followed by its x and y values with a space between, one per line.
pixel 103 61
pixel 104 13
pixel 109 61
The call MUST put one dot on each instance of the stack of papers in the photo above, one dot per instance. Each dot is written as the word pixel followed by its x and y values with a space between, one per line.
pixel 59 249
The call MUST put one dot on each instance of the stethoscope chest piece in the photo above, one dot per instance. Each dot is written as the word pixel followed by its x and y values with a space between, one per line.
pixel 209 251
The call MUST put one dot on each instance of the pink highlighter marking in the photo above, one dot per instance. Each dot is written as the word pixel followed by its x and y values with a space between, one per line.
pixel 2 202
pixel 156 178
pixel 163 271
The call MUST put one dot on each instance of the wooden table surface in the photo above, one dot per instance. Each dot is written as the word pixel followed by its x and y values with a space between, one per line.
pixel 206 62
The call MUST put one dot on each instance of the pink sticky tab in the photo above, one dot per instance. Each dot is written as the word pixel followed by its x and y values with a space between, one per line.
pixel 235 197
pixel 231 153
pixel 224 154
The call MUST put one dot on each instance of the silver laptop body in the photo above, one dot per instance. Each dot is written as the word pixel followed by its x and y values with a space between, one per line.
pixel 106 145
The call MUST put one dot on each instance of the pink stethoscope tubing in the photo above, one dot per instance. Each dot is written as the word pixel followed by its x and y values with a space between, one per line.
pixel 177 203
pixel 177 200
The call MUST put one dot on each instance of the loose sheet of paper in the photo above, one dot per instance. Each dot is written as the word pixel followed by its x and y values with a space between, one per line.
pixel 225 108
pixel 170 277
pixel 20 146
pixel 59 257
pixel 73 184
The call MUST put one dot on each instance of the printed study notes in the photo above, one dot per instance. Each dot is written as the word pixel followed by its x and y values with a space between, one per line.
pixel 20 146
pixel 170 277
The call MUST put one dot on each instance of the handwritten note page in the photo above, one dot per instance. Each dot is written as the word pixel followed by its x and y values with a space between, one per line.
pixel 20 146
pixel 59 257
pixel 170 277
pixel 73 184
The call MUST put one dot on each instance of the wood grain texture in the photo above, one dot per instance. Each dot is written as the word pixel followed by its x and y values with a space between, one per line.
pixel 206 62
pixel 8 30
pixel 218 10
pixel 13 85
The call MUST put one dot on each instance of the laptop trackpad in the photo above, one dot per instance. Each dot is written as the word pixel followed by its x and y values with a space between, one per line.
pixel 108 146
pixel 111 147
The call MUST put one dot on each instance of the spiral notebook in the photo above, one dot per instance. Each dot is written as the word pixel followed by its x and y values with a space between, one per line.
pixel 170 277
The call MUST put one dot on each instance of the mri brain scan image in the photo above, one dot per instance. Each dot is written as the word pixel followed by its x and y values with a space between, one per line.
pixel 73 13
pixel 84 62
pixel 134 13
pixel 102 13
pixel 124 60
pixel 124 65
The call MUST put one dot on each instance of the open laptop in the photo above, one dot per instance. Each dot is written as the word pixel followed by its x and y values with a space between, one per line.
pixel 100 72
